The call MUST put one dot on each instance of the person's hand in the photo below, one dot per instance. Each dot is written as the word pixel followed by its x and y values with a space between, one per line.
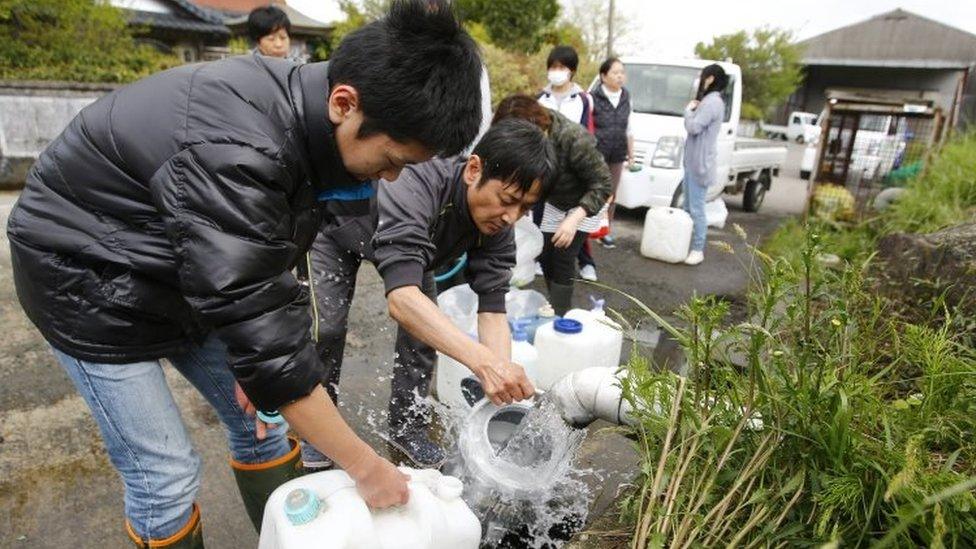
pixel 566 231
pixel 379 482
pixel 260 427
pixel 503 381
pixel 692 105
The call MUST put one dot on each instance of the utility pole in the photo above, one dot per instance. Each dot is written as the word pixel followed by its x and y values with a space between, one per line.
pixel 610 31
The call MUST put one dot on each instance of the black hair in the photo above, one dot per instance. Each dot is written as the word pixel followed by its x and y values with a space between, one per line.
pixel 565 55
pixel 517 152
pixel 718 84
pixel 266 20
pixel 608 64
pixel 418 75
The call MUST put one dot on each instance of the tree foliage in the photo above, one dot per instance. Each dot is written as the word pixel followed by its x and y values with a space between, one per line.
pixel 515 25
pixel 78 40
pixel 589 18
pixel 770 62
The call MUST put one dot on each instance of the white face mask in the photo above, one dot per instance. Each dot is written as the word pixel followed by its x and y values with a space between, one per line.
pixel 558 77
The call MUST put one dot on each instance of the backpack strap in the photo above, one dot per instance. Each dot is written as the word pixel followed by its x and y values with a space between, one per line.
pixel 587 119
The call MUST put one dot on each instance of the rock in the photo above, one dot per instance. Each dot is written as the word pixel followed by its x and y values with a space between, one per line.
pixel 914 265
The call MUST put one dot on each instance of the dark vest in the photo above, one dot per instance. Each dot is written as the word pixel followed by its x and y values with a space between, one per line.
pixel 611 125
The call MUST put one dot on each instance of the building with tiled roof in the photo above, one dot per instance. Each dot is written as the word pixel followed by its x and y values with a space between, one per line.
pixel 894 53
pixel 181 27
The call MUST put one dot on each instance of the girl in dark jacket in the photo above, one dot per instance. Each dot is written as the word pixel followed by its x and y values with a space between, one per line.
pixel 577 199
pixel 611 116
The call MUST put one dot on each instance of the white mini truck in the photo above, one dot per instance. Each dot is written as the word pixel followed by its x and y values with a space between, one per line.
pixel 659 91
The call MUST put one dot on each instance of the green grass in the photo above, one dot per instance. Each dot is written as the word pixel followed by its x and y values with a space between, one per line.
pixel 829 417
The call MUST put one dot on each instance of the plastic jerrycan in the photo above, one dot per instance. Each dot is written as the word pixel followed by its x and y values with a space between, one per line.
pixel 449 378
pixel 324 511
pixel 564 346
pixel 523 353
pixel 667 234
pixel 607 334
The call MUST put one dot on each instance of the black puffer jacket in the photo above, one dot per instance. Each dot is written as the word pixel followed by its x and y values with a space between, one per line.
pixel 176 206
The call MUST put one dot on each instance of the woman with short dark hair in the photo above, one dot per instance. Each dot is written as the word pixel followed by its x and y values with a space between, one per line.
pixel 270 30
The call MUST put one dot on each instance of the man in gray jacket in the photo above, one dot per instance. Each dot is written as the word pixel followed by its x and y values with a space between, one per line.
pixel 427 219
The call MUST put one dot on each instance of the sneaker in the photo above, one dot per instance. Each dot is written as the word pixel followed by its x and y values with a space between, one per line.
pixel 588 272
pixel 416 446
pixel 695 257
pixel 608 242
pixel 538 269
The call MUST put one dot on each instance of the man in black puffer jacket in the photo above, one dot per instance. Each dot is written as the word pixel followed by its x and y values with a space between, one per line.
pixel 165 222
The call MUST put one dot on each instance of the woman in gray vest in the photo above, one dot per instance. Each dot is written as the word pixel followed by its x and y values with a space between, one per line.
pixel 703 119
pixel 611 116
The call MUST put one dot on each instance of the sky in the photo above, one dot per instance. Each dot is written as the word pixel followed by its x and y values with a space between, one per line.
pixel 673 28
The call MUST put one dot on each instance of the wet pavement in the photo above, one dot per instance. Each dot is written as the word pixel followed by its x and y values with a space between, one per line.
pixel 58 489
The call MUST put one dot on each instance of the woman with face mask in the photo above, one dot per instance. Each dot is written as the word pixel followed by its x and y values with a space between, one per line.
pixel 703 120
pixel 566 97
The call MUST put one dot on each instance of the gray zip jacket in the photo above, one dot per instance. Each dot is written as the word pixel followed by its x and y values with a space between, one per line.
pixel 701 147
pixel 423 223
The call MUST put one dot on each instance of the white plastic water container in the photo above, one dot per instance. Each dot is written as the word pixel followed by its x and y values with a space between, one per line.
pixel 564 346
pixel 524 353
pixel 716 213
pixel 528 246
pixel 460 304
pixel 607 335
pixel 324 511
pixel 667 234
pixel 450 382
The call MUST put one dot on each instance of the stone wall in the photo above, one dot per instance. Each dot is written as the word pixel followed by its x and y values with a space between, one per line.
pixel 31 115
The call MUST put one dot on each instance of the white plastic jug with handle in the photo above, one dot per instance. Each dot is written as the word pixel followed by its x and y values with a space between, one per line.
pixel 324 511
pixel 564 346
pixel 607 335
pixel 523 353
pixel 667 234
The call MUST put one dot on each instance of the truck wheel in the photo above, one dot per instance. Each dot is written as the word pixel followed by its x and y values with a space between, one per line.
pixel 800 139
pixel 754 194
pixel 678 200
pixel 804 174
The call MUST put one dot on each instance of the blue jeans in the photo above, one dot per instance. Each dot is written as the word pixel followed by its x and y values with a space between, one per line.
pixel 145 436
pixel 695 206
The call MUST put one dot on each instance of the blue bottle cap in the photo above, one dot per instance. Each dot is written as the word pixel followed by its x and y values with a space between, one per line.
pixel 567 326
pixel 301 506
pixel 271 417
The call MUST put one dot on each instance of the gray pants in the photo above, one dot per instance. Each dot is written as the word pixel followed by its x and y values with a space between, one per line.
pixel 337 253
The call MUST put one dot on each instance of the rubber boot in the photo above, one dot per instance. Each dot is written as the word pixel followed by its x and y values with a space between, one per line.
pixel 256 481
pixel 189 537
pixel 560 297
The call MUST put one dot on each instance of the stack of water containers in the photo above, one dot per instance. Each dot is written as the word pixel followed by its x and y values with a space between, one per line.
pixel 547 347
pixel 582 339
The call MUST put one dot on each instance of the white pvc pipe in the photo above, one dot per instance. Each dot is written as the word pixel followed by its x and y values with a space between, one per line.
pixel 596 393
pixel 591 394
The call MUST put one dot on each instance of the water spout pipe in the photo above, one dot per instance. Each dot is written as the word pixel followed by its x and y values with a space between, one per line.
pixel 591 394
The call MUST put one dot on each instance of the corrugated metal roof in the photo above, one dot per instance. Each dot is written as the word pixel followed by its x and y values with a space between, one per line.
pixel 898 38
